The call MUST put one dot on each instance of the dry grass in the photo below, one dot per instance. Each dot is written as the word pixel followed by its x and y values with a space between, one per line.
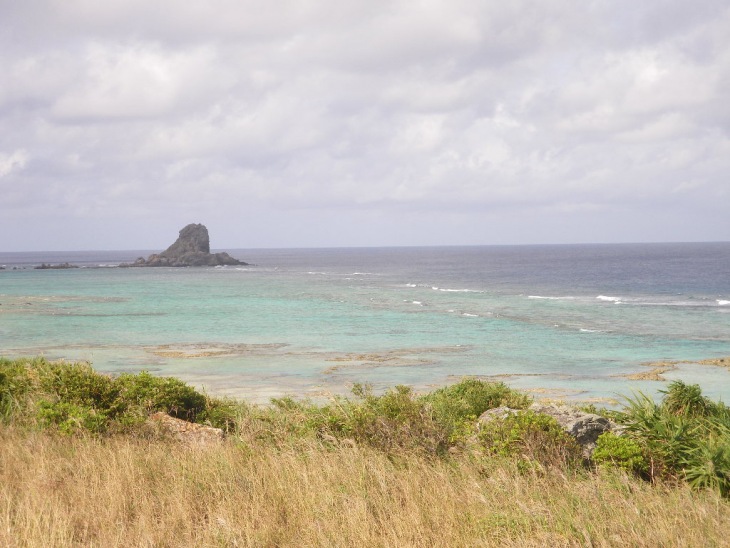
pixel 126 491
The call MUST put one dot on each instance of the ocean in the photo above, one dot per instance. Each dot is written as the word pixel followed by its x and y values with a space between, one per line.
pixel 572 322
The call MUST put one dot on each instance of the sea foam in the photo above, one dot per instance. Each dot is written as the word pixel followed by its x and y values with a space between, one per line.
pixel 446 290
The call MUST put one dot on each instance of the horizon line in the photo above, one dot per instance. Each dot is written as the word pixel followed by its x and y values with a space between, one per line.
pixel 404 246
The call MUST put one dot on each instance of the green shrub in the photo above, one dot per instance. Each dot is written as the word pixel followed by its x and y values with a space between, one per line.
pixel 145 393
pixel 620 452
pixel 533 436
pixel 73 396
pixel 14 385
pixel 468 399
pixel 79 384
pixel 70 418
pixel 287 403
pixel 397 420
pixel 394 421
pixel 221 413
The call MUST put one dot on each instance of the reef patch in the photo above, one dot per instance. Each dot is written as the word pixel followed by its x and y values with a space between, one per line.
pixel 206 350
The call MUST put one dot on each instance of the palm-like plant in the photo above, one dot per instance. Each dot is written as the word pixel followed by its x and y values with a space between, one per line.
pixel 708 466
pixel 686 435
pixel 686 400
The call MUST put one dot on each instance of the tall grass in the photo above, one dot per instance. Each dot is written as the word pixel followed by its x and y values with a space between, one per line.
pixel 79 468
pixel 126 491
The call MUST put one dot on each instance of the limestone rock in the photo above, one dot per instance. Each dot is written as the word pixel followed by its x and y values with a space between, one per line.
pixel 498 413
pixel 192 248
pixel 184 431
pixel 584 427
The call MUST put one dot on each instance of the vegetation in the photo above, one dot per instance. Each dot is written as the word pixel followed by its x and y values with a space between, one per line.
pixel 537 439
pixel 73 397
pixel 685 436
pixel 621 452
pixel 80 467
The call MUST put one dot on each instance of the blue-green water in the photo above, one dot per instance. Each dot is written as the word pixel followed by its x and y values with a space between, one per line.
pixel 564 321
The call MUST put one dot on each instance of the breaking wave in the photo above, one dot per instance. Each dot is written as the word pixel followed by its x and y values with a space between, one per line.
pixel 447 290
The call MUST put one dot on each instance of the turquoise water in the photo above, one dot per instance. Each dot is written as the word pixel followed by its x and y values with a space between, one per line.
pixel 564 321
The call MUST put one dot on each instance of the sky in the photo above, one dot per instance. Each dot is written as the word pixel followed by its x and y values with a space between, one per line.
pixel 318 123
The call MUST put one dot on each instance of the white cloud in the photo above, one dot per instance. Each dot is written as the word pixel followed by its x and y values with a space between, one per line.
pixel 13 161
pixel 139 81
pixel 452 108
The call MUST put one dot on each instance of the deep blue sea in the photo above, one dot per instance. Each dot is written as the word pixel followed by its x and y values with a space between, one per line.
pixel 562 321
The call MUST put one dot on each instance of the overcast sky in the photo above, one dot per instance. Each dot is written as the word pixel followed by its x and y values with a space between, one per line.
pixel 349 123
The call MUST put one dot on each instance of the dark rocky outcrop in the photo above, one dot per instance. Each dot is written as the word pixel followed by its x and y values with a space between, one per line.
pixel 62 266
pixel 192 248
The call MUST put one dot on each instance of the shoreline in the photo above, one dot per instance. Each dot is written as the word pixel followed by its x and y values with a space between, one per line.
pixel 205 366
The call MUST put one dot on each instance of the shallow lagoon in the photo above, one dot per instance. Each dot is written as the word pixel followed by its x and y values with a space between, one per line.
pixel 564 321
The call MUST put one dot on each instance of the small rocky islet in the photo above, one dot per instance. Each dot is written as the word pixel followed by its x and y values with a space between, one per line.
pixel 62 266
pixel 192 248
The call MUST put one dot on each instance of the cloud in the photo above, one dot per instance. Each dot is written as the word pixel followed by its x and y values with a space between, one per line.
pixel 441 111
pixel 13 161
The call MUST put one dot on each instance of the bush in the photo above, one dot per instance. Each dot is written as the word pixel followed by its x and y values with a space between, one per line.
pixel 394 421
pixel 620 452
pixel 468 399
pixel 221 413
pixel 146 394
pixel 74 397
pixel 71 418
pixel 15 385
pixel 532 436
pixel 79 384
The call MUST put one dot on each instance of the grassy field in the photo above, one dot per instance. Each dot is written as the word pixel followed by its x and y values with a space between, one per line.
pixel 79 467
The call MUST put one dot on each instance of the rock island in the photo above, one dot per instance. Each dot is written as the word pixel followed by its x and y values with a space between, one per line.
pixel 192 248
